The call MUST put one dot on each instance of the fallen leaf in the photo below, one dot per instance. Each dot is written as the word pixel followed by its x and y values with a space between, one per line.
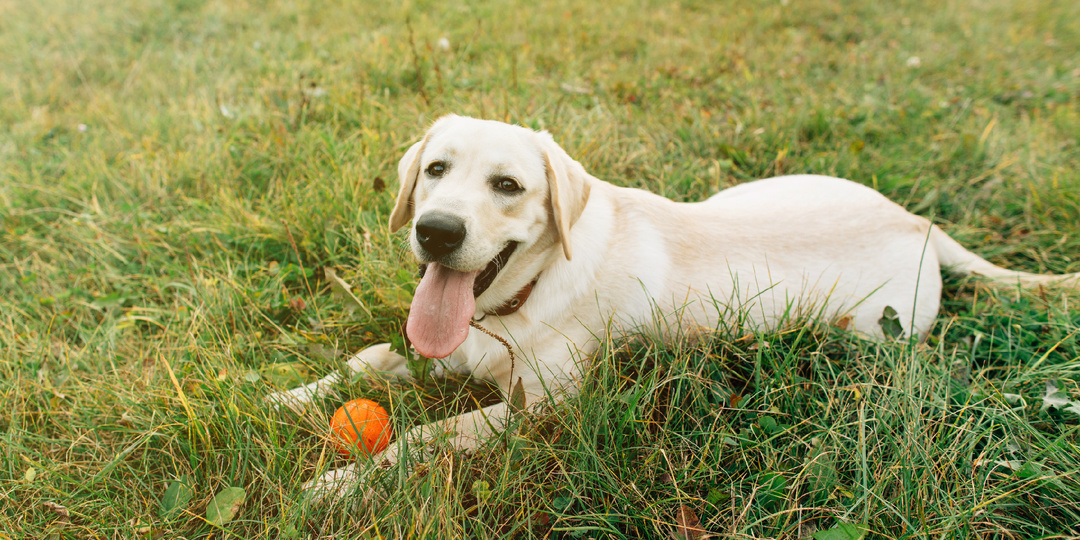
pixel 482 489
pixel 1013 464
pixel 517 397
pixel 285 374
pixel 842 531
pixel 541 519
pixel 773 489
pixel 688 526
pixel 1034 471
pixel 223 507
pixel 289 531
pixel 890 323
pixel 1058 399
pixel 176 497
pixel 716 497
pixel 562 504
pixel 1014 399
pixel 58 509
pixel 343 290
pixel 323 352
pixel 140 527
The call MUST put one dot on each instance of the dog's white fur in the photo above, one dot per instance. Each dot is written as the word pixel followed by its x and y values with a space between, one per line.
pixel 613 261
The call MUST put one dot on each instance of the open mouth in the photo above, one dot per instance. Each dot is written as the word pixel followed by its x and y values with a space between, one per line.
pixel 483 281
pixel 487 275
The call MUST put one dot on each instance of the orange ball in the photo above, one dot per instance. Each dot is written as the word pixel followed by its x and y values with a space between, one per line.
pixel 361 427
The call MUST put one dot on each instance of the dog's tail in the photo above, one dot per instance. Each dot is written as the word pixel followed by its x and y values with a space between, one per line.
pixel 957 259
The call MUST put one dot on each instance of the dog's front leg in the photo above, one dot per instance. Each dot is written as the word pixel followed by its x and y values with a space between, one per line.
pixel 464 431
pixel 377 358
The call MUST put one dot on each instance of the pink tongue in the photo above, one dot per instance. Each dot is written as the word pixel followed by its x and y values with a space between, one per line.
pixel 441 309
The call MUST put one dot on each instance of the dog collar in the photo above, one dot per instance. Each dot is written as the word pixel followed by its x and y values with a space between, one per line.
pixel 514 303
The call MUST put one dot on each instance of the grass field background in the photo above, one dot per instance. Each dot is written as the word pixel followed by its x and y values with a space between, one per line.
pixel 175 176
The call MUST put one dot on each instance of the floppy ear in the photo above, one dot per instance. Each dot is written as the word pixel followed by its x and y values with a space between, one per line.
pixel 568 190
pixel 408 171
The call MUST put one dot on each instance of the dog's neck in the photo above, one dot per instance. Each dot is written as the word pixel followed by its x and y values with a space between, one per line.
pixel 514 303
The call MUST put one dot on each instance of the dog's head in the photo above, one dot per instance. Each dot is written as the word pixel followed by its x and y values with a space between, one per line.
pixel 491 205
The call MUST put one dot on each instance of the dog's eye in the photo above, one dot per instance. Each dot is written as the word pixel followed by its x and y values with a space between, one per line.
pixel 436 169
pixel 507 185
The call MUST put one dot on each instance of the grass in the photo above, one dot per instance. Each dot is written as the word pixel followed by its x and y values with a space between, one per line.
pixel 175 176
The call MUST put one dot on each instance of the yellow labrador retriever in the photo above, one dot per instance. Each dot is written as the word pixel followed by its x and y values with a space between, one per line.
pixel 517 240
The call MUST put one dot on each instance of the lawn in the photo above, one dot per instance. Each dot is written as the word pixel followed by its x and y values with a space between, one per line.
pixel 180 180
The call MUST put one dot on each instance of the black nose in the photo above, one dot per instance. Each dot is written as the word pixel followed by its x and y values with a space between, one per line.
pixel 440 233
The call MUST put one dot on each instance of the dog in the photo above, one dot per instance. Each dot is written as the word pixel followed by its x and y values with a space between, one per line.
pixel 516 240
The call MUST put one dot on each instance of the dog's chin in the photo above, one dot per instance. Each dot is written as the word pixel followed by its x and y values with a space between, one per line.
pixel 490 271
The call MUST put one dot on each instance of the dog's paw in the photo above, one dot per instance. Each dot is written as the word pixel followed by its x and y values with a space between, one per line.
pixel 296 399
pixel 356 480
pixel 334 485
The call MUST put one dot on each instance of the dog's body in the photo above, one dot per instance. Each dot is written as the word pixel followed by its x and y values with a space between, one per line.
pixel 498 208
